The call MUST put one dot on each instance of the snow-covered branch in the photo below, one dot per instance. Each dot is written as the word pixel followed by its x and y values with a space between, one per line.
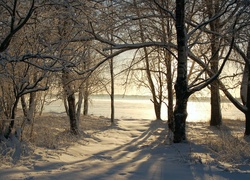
pixel 14 29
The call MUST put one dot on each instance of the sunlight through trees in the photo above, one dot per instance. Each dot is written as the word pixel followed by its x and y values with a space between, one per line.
pixel 70 50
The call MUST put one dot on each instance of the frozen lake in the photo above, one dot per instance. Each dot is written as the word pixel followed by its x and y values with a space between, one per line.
pixel 142 108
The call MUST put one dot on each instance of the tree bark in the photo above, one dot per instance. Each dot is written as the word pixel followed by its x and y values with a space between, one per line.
pixel 244 85
pixel 112 78
pixel 112 93
pixel 32 106
pixel 216 117
pixel 79 105
pixel 65 104
pixel 70 98
pixel 181 88
pixel 247 114
pixel 25 109
pixel 86 89
pixel 85 100
pixel 72 114
pixel 13 116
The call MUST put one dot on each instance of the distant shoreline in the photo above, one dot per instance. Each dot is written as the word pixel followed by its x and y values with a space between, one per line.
pixel 148 97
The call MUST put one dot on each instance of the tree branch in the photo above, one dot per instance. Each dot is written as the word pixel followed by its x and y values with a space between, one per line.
pixel 13 30
pixel 215 76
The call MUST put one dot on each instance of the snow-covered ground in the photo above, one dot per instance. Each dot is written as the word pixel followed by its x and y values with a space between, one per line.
pixel 133 149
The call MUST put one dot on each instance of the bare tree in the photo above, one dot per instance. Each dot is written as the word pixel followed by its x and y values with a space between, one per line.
pixel 20 85
pixel 15 28
pixel 156 99
pixel 213 8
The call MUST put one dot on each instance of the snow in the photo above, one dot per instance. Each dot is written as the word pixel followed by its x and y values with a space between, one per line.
pixel 133 149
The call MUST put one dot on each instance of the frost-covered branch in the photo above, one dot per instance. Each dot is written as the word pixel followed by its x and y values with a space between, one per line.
pixel 216 16
pixel 216 75
pixel 14 29
pixel 50 63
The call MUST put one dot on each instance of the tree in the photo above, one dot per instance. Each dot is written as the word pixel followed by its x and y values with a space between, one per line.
pixel 19 15
pixel 184 50
pixel 242 48
pixel 15 23
pixel 215 26
pixel 111 67
pixel 237 17
pixel 20 84
pixel 181 84
pixel 65 29
pixel 245 90
pixel 156 98
pixel 168 59
pixel 243 33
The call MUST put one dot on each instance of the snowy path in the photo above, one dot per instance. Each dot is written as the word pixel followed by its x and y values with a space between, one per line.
pixel 133 150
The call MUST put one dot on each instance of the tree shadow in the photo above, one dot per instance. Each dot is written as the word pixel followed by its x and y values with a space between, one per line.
pixel 143 157
pixel 145 146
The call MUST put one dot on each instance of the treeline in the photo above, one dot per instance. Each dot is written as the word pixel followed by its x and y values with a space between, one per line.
pixel 68 48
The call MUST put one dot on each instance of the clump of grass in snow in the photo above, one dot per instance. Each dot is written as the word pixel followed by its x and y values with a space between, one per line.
pixel 12 151
pixel 226 144
pixel 230 149
pixel 52 131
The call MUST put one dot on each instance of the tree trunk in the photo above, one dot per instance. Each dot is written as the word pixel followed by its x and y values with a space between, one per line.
pixel 32 109
pixel 244 85
pixel 112 78
pixel 167 37
pixel 32 106
pixel 72 114
pixel 29 112
pixel 25 109
pixel 86 103
pixel 247 114
pixel 66 104
pixel 71 107
pixel 157 102
pixel 86 98
pixel 112 93
pixel 181 89
pixel 216 117
pixel 43 100
pixel 180 116
pixel 79 105
pixel 157 109
pixel 13 116
pixel 86 89
pixel 170 92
